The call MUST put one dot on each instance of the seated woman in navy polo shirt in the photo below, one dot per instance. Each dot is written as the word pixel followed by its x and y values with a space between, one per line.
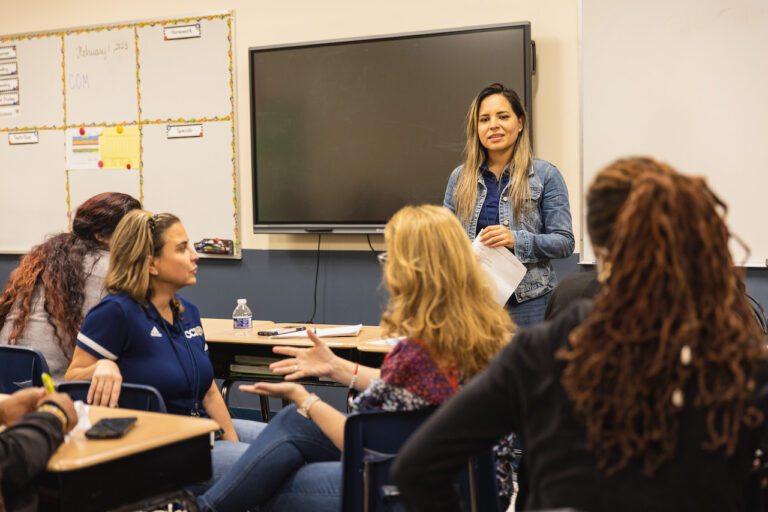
pixel 143 332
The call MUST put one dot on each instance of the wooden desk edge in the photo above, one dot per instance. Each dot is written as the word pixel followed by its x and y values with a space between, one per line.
pixel 80 452
pixel 368 347
pixel 215 332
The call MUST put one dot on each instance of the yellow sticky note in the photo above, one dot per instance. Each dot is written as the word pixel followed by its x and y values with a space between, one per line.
pixel 120 150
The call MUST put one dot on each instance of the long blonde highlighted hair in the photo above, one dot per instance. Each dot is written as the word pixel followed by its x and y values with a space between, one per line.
pixel 438 293
pixel 475 155
pixel 138 237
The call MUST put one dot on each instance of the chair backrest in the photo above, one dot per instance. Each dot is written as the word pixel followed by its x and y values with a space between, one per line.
pixel 371 442
pixel 132 396
pixel 760 316
pixel 20 367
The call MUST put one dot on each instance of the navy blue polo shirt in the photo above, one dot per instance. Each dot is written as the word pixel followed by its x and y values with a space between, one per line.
pixel 148 350
pixel 489 213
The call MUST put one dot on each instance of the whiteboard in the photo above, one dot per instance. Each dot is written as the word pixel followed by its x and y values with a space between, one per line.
pixel 85 183
pixel 126 85
pixel 201 70
pixel 41 100
pixel 33 195
pixel 100 77
pixel 170 162
pixel 683 82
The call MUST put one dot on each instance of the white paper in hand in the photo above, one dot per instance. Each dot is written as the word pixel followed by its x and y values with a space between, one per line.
pixel 504 269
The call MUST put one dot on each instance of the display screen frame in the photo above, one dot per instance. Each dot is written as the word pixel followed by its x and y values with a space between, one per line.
pixel 524 57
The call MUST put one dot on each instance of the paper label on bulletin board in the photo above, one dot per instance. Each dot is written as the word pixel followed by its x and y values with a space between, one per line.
pixel 9 98
pixel 8 69
pixel 9 84
pixel 8 52
pixel 10 111
pixel 83 148
pixel 120 150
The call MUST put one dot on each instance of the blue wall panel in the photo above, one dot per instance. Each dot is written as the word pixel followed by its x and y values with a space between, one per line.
pixel 279 285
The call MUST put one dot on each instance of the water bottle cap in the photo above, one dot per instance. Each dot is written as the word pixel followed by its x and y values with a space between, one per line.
pixel 241 301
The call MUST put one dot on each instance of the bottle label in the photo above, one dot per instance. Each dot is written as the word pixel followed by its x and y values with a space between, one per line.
pixel 242 322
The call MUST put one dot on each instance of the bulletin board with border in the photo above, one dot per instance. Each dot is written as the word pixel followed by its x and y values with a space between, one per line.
pixel 146 108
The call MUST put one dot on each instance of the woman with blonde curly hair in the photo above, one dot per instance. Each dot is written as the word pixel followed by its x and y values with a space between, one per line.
pixel 651 398
pixel 441 306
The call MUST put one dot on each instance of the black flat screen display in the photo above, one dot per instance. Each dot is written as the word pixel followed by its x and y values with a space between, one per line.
pixel 344 133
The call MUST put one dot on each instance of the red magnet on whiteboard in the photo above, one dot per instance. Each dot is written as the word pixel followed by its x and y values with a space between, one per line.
pixel 127 166
pixel 101 164
pixel 82 131
pixel 119 129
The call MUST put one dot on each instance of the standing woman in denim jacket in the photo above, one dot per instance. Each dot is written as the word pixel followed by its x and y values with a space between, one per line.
pixel 511 199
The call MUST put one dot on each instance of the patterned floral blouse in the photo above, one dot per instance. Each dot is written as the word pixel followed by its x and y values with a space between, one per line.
pixel 411 380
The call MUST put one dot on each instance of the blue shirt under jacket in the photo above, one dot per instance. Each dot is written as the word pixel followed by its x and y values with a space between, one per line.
pixel 148 350
pixel 541 234
pixel 489 214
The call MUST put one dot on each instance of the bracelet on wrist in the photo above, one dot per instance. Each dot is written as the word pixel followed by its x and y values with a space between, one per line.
pixel 351 389
pixel 354 377
pixel 56 410
pixel 307 404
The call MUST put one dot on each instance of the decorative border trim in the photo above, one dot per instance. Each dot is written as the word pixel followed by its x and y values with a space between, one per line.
pixel 227 16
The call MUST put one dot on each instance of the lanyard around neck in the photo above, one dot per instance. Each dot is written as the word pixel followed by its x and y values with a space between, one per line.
pixel 194 382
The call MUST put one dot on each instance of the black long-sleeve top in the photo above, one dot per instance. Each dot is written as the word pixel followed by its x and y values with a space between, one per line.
pixel 24 452
pixel 520 391
pixel 581 285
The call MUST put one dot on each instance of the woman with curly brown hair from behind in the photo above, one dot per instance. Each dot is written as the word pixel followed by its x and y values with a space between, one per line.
pixel 651 398
pixel 58 281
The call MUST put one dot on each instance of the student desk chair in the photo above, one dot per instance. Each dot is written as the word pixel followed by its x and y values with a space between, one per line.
pixel 371 442
pixel 132 396
pixel 161 453
pixel 20 367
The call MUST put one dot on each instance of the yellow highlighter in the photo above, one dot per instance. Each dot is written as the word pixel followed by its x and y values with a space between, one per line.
pixel 48 383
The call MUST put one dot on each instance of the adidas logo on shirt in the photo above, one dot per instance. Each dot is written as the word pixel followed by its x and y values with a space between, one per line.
pixel 155 333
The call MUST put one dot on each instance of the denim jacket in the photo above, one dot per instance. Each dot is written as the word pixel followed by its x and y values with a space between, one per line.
pixel 543 233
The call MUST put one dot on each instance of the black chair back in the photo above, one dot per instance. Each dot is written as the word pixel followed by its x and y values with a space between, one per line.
pixel 20 367
pixel 760 316
pixel 371 442
pixel 132 396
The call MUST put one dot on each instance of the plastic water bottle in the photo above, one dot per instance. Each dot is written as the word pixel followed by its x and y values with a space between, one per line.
pixel 241 318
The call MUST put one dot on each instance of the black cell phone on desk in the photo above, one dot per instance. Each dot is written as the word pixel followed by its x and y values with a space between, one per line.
pixel 282 330
pixel 110 428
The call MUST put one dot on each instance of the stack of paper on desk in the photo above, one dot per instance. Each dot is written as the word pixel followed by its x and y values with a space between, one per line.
pixel 504 269
pixel 328 332
pixel 256 366
pixel 253 365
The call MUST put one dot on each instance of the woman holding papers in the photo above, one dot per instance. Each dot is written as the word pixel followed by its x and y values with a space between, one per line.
pixel 506 198
pixel 143 332
pixel 654 397
pixel 451 326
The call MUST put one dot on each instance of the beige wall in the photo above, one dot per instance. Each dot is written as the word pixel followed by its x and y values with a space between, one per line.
pixel 262 22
